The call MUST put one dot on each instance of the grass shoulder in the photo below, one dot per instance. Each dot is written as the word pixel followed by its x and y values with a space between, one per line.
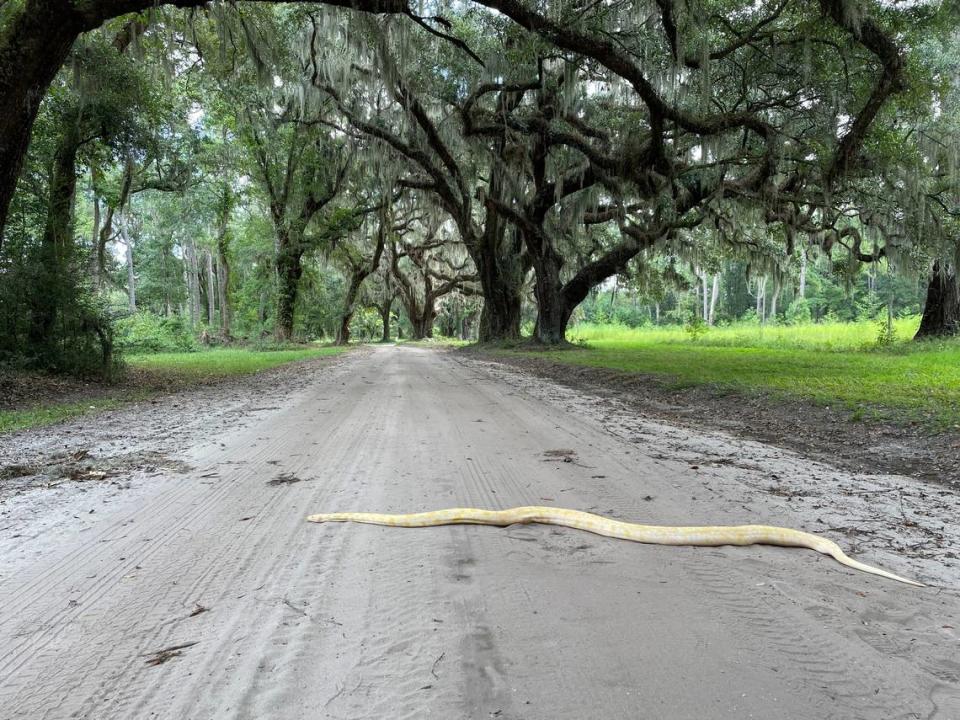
pixel 37 400
pixel 225 362
pixel 831 365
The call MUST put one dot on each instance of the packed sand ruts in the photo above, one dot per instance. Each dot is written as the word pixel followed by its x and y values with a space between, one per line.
pixel 198 590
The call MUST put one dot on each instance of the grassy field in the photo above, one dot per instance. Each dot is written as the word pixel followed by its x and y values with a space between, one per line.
pixel 830 364
pixel 835 336
pixel 152 374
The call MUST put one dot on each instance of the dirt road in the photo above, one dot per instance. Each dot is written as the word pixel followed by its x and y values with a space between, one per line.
pixel 196 589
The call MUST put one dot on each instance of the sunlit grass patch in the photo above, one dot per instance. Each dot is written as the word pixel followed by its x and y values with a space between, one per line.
pixel 834 364
pixel 831 336
pixel 11 420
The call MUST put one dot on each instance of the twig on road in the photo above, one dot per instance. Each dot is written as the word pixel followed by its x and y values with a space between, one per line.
pixel 295 608
pixel 433 670
pixel 158 657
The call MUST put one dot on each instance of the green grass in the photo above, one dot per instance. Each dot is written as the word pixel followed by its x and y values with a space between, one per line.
pixel 833 336
pixel 835 364
pixel 11 420
pixel 160 372
pixel 223 362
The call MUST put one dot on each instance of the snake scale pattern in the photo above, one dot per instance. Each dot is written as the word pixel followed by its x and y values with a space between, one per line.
pixel 710 535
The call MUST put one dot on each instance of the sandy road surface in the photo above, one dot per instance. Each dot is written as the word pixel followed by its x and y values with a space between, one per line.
pixel 292 619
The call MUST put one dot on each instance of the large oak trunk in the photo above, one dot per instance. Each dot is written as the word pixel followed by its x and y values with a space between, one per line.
pixel 941 311
pixel 423 324
pixel 552 312
pixel 552 319
pixel 349 305
pixel 33 46
pixel 500 317
pixel 56 245
pixel 289 271
pixel 385 319
pixel 343 329
pixel 421 315
pixel 497 256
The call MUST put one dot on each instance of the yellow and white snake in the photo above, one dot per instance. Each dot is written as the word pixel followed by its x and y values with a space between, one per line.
pixel 651 534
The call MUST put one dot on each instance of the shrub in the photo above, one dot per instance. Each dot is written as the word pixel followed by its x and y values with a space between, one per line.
pixel 49 321
pixel 886 332
pixel 366 324
pixel 146 332
pixel 798 313
pixel 696 328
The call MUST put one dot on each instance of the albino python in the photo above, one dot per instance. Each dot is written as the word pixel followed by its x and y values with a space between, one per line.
pixel 652 534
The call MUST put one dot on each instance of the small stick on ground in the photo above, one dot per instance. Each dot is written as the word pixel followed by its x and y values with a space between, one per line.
pixel 159 657
pixel 433 670
pixel 294 607
pixel 199 609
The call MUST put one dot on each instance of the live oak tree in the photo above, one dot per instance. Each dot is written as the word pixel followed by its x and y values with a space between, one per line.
pixel 360 266
pixel 931 191
pixel 36 37
pixel 722 129
pixel 300 167
pixel 702 120
pixel 302 172
pixel 93 111
pixel 428 156
pixel 425 272
pixel 575 141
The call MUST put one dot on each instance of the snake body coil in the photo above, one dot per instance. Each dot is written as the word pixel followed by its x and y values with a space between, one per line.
pixel 709 535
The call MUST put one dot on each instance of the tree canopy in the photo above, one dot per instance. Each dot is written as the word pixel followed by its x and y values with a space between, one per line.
pixel 294 169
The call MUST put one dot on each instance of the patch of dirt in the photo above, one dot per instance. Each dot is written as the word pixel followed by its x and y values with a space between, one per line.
pixel 82 465
pixel 28 390
pixel 826 433
pixel 563 455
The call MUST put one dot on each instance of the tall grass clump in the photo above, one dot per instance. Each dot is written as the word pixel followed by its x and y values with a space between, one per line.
pixel 825 336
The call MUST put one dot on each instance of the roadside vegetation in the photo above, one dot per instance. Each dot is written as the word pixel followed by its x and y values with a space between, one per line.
pixel 49 414
pixel 866 335
pixel 852 365
pixel 223 362
pixel 148 375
